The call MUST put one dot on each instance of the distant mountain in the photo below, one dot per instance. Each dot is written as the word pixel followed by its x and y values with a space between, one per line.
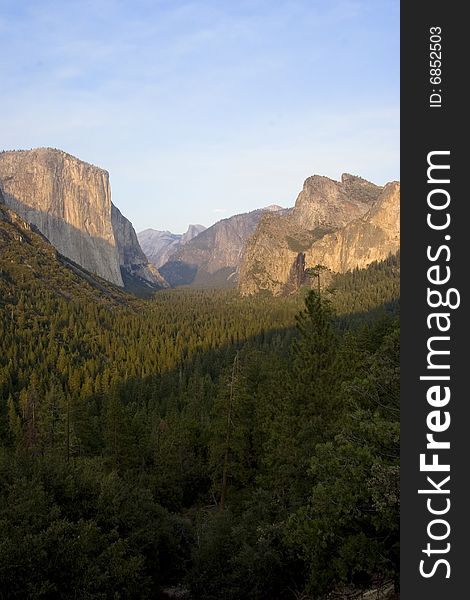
pixel 158 246
pixel 191 232
pixel 212 258
pixel 69 201
pixel 339 224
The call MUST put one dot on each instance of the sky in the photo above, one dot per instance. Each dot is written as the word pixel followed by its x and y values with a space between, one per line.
pixel 204 109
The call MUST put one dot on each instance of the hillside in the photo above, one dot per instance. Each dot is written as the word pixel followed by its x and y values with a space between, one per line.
pixel 115 471
pixel 29 262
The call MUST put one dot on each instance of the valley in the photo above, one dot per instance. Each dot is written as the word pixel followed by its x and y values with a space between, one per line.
pixel 234 435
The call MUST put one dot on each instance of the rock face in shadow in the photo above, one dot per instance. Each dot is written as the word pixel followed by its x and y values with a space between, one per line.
pixel 132 260
pixel 297 275
pixel 213 257
pixel 339 224
pixel 69 201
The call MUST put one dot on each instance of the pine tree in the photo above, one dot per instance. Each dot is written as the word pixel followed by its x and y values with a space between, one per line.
pixel 316 374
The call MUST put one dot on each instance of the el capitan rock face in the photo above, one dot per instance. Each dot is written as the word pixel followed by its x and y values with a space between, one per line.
pixel 340 224
pixel 69 201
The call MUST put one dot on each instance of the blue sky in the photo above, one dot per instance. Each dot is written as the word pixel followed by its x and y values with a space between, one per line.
pixel 204 109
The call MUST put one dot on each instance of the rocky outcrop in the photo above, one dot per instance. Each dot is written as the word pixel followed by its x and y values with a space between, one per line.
pixel 69 201
pixel 327 203
pixel 335 223
pixel 213 257
pixel 373 237
pixel 159 246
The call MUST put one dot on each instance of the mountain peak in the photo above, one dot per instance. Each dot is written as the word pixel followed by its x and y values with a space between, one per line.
pixel 348 178
pixel 273 208
pixel 191 232
pixel 47 154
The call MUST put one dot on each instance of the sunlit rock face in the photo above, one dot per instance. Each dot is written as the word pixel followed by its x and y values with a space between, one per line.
pixel 339 224
pixel 371 238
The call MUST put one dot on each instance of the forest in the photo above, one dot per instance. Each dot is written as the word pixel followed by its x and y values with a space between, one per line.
pixel 198 444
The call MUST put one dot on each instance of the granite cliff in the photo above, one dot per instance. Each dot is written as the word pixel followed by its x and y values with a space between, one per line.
pixel 69 201
pixel 370 238
pixel 339 224
pixel 213 257
pixel 132 259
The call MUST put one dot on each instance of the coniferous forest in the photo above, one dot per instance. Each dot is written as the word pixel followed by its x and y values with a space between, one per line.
pixel 198 444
